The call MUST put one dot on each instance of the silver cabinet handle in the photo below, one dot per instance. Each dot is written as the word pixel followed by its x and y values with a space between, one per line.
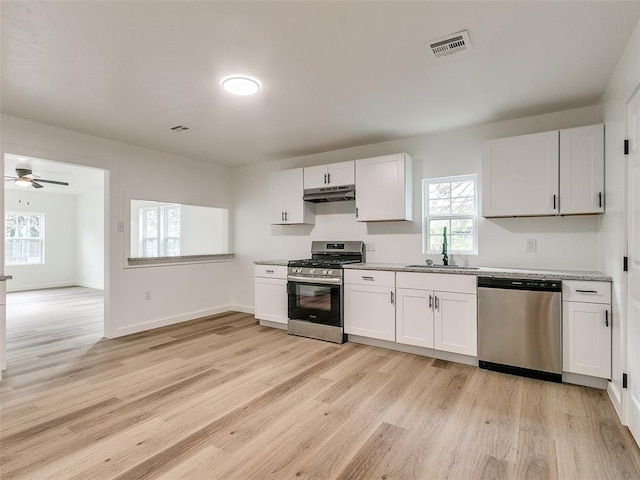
pixel 268 271
pixel 600 199
pixel 430 301
pixel 282 216
pixel 437 303
pixel 370 279
pixel 325 178
pixel 554 201
pixel 391 298
pixel 586 291
pixel 328 178
pixel 606 318
pixel 4 278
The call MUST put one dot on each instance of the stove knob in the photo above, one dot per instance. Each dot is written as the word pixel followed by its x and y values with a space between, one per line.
pixel 299 270
pixel 329 272
pixel 324 272
pixel 312 271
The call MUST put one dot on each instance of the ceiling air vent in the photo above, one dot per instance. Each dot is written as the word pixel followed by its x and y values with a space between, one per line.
pixel 450 44
pixel 179 128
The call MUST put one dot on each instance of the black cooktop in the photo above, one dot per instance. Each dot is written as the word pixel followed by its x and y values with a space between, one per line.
pixel 318 262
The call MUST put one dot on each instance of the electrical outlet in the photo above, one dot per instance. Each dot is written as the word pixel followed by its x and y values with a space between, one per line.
pixel 147 295
pixel 531 245
pixel 371 246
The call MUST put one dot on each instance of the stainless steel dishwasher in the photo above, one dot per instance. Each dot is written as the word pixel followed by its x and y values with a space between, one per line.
pixel 520 327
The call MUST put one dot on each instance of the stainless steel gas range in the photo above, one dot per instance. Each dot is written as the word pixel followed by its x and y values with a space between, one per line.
pixel 315 291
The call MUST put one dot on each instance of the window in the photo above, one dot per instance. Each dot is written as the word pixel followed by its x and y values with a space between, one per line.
pixel 160 231
pixel 450 203
pixel 24 238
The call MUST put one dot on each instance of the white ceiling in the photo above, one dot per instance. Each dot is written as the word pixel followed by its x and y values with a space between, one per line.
pixel 334 74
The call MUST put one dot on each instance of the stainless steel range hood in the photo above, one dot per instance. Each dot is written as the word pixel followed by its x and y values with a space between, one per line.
pixel 330 194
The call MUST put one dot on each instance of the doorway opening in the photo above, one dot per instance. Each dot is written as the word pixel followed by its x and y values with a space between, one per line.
pixel 54 249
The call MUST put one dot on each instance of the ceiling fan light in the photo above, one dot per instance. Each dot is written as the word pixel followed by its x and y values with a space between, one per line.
pixel 241 85
pixel 23 182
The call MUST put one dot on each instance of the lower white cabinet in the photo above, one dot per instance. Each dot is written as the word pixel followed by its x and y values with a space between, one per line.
pixel 443 319
pixel 587 328
pixel 369 304
pixel 271 293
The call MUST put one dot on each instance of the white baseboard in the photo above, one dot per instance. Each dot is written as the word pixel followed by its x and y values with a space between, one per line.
pixel 95 286
pixel 163 322
pixel 615 395
pixel 42 286
pixel 425 352
pixel 242 308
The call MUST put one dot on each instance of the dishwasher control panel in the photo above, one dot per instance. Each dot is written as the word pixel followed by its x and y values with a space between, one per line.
pixel 520 283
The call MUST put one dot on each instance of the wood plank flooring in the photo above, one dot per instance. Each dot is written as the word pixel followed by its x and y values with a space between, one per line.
pixel 224 398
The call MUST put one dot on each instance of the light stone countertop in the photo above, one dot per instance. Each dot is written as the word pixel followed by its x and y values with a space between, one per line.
pixel 490 271
pixel 282 263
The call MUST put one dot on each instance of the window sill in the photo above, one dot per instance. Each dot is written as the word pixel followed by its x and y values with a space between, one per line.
pixel 133 262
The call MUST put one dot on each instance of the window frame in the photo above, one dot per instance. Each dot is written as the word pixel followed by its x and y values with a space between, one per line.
pixel 40 238
pixel 162 238
pixel 427 216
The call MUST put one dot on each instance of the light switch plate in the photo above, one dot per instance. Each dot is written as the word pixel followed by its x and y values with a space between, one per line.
pixel 371 246
pixel 531 245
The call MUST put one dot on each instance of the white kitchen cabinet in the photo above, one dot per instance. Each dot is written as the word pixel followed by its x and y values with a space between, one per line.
pixel 287 206
pixel 332 175
pixel 271 293
pixel 384 188
pixel 586 319
pixel 582 170
pixel 369 304
pixel 520 175
pixel 437 311
pixel 414 317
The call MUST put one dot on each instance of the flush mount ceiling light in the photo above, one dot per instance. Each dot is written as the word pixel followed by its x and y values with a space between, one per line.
pixel 240 85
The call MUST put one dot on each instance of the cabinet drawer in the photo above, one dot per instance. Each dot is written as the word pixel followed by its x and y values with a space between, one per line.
pixel 271 271
pixel 443 282
pixel 586 291
pixel 370 277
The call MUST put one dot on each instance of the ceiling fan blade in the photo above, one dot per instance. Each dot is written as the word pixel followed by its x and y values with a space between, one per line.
pixel 55 182
pixel 36 185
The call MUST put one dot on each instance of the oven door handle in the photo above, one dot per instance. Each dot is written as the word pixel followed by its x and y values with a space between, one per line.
pixel 324 281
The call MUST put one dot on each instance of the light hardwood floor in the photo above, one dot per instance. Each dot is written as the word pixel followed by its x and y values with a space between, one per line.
pixel 223 398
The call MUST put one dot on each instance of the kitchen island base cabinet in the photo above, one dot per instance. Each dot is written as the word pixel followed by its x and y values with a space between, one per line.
pixel 271 302
pixel 369 304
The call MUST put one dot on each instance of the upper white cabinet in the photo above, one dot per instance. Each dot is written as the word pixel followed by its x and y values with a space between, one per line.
pixel 287 206
pixel 332 175
pixel 549 173
pixel 582 170
pixel 520 175
pixel 384 188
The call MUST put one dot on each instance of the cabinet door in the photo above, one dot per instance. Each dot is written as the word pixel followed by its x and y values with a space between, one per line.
pixel 315 177
pixel 455 318
pixel 414 317
pixel 271 299
pixel 582 170
pixel 370 311
pixel 342 173
pixel 587 339
pixel 383 188
pixel 520 175
pixel 278 196
pixel 294 192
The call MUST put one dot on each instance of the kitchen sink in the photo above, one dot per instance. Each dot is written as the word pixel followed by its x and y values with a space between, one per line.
pixel 453 267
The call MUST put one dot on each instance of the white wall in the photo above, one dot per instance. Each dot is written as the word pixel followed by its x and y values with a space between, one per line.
pixel 563 242
pixel 613 239
pixel 177 292
pixel 60 242
pixel 90 240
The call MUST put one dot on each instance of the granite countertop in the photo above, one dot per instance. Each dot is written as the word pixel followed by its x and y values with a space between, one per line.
pixel 490 271
pixel 282 263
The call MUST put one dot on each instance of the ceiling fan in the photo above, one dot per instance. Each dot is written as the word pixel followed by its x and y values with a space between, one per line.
pixel 25 178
